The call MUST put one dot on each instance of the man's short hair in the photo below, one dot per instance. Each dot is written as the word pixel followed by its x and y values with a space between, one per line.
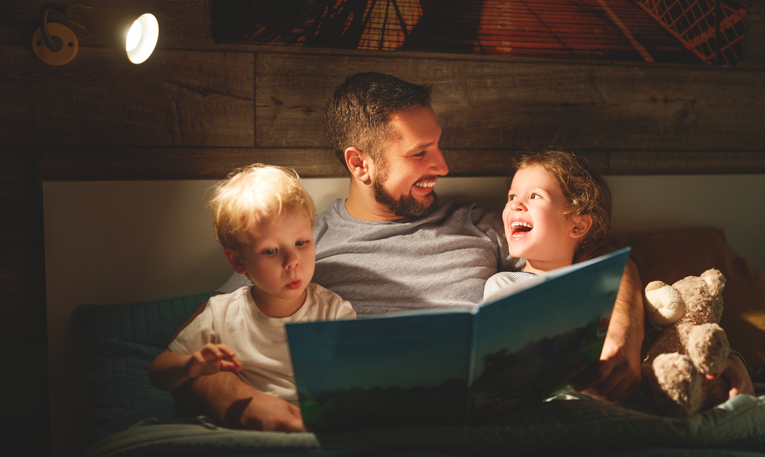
pixel 358 112
pixel 254 193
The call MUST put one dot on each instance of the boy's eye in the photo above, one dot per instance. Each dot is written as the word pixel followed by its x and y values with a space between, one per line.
pixel 512 197
pixel 301 243
pixel 269 251
pixel 536 196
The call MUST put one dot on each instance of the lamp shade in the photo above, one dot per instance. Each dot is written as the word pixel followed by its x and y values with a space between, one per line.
pixel 131 34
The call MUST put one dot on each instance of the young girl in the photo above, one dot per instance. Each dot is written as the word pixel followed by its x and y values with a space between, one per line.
pixel 558 212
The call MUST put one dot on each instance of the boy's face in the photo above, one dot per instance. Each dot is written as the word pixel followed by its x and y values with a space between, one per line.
pixel 536 226
pixel 279 260
pixel 403 179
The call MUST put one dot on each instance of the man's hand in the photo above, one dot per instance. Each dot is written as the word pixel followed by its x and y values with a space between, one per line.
pixel 737 375
pixel 617 374
pixel 225 397
pixel 269 413
pixel 613 378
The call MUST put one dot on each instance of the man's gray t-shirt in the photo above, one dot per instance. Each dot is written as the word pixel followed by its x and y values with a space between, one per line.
pixel 438 261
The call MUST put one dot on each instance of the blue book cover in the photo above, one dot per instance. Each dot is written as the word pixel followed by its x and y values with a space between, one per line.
pixel 455 367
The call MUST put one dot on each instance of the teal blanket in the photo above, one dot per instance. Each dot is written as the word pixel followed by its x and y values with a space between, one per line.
pixel 558 427
pixel 131 418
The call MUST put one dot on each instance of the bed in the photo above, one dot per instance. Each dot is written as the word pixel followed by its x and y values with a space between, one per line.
pixel 113 321
pixel 128 417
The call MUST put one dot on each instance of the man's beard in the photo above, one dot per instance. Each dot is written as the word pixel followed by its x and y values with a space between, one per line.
pixel 406 206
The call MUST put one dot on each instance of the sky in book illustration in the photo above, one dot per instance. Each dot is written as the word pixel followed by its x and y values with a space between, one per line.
pixel 577 299
pixel 415 352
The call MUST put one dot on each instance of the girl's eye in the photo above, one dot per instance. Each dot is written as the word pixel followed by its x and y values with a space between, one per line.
pixel 512 197
pixel 536 196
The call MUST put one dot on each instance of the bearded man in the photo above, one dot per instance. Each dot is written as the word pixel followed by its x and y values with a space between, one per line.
pixel 391 246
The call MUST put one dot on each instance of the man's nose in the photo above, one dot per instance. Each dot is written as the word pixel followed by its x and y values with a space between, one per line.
pixel 438 164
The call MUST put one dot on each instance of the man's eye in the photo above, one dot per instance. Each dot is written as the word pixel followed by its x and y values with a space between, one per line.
pixel 420 154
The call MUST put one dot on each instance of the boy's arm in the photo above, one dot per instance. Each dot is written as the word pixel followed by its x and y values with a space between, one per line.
pixel 228 399
pixel 617 374
pixel 168 370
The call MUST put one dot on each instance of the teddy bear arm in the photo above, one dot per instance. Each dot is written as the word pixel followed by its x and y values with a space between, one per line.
pixel 708 347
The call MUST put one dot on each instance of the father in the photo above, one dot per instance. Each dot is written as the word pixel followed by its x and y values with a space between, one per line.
pixel 391 246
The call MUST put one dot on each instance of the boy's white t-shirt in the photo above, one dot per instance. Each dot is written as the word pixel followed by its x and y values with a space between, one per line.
pixel 259 341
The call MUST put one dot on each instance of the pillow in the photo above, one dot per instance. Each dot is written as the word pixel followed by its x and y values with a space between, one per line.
pixel 120 342
pixel 671 255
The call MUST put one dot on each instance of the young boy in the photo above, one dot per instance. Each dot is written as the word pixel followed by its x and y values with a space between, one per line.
pixel 264 220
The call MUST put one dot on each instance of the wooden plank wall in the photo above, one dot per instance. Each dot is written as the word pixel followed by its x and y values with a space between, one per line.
pixel 197 109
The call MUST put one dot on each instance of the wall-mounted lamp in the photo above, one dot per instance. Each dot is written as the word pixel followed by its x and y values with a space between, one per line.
pixel 133 35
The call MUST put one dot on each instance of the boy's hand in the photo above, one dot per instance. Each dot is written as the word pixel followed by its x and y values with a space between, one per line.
pixel 737 375
pixel 211 359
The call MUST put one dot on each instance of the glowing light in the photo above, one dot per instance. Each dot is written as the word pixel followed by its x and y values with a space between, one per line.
pixel 142 38
pixel 134 36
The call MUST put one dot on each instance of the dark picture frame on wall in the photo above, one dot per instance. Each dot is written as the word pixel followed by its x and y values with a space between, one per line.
pixel 663 31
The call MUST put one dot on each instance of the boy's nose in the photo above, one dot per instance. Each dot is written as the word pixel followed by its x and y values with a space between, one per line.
pixel 291 260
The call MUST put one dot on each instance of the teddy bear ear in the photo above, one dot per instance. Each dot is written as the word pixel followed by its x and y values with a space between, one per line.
pixel 715 281
pixel 663 303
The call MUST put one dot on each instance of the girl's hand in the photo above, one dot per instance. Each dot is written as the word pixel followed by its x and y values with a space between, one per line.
pixel 737 375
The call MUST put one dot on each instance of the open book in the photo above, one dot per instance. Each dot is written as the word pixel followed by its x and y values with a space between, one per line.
pixel 455 367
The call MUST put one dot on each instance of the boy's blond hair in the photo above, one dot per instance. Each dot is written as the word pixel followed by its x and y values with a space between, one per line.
pixel 254 193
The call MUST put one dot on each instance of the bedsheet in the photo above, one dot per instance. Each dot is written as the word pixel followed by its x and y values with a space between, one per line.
pixel 557 427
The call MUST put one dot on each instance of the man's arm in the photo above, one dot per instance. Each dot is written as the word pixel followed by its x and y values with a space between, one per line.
pixel 617 374
pixel 228 399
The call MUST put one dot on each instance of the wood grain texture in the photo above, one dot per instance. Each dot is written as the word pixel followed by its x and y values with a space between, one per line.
pixel 178 98
pixel 516 105
pixel 137 163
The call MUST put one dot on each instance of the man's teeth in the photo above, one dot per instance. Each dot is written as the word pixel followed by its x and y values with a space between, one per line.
pixel 425 184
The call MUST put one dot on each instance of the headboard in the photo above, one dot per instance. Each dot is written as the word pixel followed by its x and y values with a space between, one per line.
pixel 131 241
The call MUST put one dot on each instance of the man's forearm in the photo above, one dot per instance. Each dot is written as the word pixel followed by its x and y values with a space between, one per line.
pixel 222 396
pixel 626 328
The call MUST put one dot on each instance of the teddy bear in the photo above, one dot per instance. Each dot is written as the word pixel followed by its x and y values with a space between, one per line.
pixel 688 344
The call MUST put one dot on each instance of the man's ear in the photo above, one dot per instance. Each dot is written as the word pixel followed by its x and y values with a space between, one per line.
pixel 235 260
pixel 582 224
pixel 358 163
